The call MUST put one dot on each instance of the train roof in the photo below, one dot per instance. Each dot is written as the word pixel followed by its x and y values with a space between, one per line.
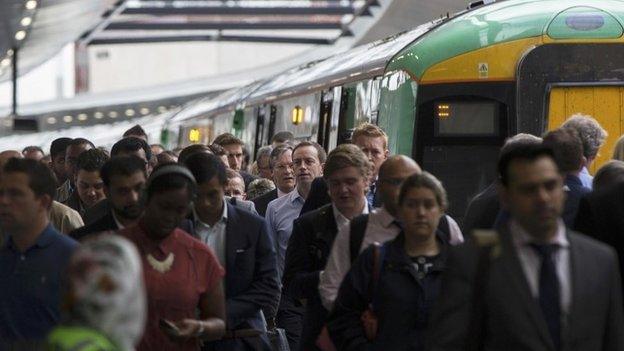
pixel 508 21
pixel 362 62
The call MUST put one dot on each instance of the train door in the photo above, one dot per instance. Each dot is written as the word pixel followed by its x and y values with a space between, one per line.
pixel 272 121
pixel 261 129
pixel 556 81
pixel 459 131
pixel 604 103
pixel 325 118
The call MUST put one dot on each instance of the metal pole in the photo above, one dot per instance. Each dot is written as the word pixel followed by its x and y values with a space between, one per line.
pixel 14 79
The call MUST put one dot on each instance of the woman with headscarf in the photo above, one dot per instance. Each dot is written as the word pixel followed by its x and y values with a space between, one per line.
pixel 104 303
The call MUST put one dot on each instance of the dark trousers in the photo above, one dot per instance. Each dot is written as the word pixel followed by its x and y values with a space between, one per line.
pixel 258 343
pixel 290 318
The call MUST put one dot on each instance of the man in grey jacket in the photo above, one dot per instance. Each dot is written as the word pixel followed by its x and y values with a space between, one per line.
pixel 533 284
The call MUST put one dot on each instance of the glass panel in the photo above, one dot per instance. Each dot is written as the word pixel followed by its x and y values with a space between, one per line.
pixel 397 111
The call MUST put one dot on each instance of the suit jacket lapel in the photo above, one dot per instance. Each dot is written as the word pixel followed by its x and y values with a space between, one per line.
pixel 518 284
pixel 231 238
pixel 578 273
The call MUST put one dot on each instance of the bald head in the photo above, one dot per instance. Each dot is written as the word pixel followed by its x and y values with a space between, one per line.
pixel 391 174
pixel 7 155
pixel 398 164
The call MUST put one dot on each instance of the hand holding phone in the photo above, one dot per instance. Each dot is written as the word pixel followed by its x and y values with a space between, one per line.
pixel 169 327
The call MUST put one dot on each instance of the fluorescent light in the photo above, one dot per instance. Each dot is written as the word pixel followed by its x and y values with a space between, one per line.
pixel 26 21
pixel 51 120
pixel 31 4
pixel 20 35
pixel 68 119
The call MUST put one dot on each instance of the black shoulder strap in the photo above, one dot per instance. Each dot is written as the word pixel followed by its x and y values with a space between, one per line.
pixel 444 230
pixel 356 235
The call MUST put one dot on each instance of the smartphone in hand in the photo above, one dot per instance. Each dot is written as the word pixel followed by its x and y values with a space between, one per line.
pixel 169 328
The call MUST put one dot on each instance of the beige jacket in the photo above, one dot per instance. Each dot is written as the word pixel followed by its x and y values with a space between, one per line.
pixel 64 219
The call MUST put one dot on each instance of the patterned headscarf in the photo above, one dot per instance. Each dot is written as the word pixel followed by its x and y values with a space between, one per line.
pixel 105 289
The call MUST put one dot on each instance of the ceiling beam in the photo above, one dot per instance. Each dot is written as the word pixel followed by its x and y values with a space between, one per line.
pixel 230 38
pixel 251 11
pixel 135 25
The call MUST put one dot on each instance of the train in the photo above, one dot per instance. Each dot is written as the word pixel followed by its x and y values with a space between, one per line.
pixel 448 93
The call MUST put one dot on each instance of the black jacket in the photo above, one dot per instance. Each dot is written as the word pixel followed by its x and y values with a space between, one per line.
pixel 251 283
pixel 261 202
pixel 402 297
pixel 308 249
pixel 106 223
pixel 482 211
pixel 247 178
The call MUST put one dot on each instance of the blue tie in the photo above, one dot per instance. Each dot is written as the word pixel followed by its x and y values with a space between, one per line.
pixel 370 195
pixel 549 293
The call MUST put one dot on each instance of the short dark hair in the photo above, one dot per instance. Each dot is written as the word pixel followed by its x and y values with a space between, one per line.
pixel 91 160
pixel 59 146
pixel 322 155
pixel 135 130
pixel 205 167
pixel 191 150
pixel 32 148
pixel 41 180
pixel 528 152
pixel 122 165
pixel 80 141
pixel 169 181
pixel 217 149
pixel 131 144
pixel 567 147
pixel 282 137
pixel 228 139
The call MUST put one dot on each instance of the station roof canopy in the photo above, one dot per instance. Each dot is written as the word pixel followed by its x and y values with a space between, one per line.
pixel 271 21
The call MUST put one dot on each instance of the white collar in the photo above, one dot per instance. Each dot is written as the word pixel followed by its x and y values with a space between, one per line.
pixel 339 217
pixel 224 215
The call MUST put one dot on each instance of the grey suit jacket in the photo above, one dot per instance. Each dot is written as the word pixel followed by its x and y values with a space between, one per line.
pixel 509 318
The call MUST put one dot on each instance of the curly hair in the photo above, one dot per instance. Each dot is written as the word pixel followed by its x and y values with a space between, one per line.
pixel 590 131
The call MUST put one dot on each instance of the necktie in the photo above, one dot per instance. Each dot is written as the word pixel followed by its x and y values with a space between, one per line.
pixel 370 195
pixel 549 293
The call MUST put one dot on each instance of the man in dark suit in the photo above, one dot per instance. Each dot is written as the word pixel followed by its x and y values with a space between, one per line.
pixel 234 148
pixel 373 141
pixel 124 178
pixel 283 176
pixel 243 246
pixel 347 171
pixel 534 285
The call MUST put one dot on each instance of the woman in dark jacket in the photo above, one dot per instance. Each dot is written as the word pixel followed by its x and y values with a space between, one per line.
pixel 407 270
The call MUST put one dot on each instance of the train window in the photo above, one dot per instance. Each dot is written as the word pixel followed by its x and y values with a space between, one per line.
pixel 466 118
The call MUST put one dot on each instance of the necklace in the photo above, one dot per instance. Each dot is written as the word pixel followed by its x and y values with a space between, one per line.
pixel 161 266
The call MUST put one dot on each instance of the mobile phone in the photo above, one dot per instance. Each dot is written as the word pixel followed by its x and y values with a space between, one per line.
pixel 169 327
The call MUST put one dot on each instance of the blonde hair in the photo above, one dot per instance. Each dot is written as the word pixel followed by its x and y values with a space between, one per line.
pixel 347 155
pixel 371 131
pixel 618 149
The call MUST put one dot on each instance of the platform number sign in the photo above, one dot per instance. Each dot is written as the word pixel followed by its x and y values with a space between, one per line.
pixel 484 70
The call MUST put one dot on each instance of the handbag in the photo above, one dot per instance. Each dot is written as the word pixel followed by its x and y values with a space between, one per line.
pixel 368 318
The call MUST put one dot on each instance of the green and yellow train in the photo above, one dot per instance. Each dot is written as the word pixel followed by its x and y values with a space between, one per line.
pixel 448 93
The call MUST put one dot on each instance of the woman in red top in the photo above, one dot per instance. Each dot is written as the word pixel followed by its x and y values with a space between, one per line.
pixel 182 275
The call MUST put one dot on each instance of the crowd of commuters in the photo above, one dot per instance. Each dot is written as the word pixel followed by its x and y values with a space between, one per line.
pixel 206 248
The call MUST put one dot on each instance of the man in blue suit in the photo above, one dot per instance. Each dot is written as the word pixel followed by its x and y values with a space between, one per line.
pixel 243 246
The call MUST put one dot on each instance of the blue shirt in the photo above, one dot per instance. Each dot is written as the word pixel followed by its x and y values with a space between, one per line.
pixel 280 215
pixel 586 178
pixel 30 296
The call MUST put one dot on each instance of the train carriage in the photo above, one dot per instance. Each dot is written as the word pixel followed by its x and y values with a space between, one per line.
pixel 449 92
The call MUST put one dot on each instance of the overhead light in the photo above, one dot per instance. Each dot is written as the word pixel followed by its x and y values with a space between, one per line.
pixel 51 120
pixel 112 114
pixel 31 4
pixel 5 62
pixel 162 109
pixel 68 119
pixel 10 53
pixel 129 112
pixel 145 111
pixel 20 35
pixel 82 117
pixel 98 115
pixel 26 21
